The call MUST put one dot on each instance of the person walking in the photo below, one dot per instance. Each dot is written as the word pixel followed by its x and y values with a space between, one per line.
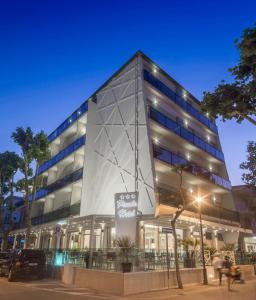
pixel 218 265
pixel 227 270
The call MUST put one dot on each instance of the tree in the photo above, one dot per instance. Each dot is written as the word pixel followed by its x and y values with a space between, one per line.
pixel 40 153
pixel 237 100
pixel 34 149
pixel 179 170
pixel 249 177
pixel 9 164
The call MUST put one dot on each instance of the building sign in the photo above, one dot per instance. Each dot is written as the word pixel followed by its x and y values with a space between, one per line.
pixel 166 230
pixel 126 207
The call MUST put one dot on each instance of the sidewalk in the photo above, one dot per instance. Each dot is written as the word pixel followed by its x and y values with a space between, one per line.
pixel 245 291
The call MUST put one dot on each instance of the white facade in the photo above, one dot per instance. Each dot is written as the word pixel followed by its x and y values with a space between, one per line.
pixel 110 151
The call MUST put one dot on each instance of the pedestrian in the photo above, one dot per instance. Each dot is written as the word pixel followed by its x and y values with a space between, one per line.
pixel 218 265
pixel 227 270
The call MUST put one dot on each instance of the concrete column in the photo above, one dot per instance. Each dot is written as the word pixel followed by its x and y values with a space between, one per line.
pixel 216 244
pixel 39 239
pixel 51 240
pixel 58 239
pixel 142 236
pixel 91 240
pixel 14 241
pixel 105 237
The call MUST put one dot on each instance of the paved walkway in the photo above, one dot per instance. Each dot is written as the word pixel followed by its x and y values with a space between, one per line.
pixel 53 290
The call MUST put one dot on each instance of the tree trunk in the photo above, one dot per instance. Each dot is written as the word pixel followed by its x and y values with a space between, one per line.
pixel 26 202
pixel 10 223
pixel 31 203
pixel 176 258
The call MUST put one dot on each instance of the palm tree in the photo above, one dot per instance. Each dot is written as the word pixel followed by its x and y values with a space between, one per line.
pixel 34 149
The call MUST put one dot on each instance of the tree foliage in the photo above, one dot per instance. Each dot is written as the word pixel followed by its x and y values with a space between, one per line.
pixel 237 100
pixel 34 149
pixel 9 164
pixel 249 177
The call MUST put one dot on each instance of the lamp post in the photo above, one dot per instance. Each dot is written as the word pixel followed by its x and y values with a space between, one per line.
pixel 199 200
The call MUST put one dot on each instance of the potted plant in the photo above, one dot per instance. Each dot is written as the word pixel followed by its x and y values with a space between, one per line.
pixel 126 246
pixel 212 250
pixel 190 245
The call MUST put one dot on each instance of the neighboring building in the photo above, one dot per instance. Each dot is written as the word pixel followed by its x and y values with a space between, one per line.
pixel 245 201
pixel 12 216
pixel 93 157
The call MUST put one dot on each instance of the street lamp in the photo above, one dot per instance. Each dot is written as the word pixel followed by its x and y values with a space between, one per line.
pixel 199 202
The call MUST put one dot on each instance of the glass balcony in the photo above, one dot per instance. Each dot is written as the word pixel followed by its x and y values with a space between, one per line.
pixel 172 198
pixel 70 178
pixel 185 133
pixel 150 78
pixel 58 214
pixel 69 121
pixel 174 159
pixel 62 154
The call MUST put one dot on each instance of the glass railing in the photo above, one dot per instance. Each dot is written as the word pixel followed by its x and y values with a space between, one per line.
pixel 185 133
pixel 171 198
pixel 69 121
pixel 58 214
pixel 62 154
pixel 174 159
pixel 57 185
pixel 150 78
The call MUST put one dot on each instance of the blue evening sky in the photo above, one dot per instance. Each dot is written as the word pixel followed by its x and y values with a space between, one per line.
pixel 54 54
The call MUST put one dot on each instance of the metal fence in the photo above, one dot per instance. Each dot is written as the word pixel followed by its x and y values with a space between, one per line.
pixel 112 259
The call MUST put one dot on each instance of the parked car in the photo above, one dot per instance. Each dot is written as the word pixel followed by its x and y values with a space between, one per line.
pixel 21 263
pixel 4 256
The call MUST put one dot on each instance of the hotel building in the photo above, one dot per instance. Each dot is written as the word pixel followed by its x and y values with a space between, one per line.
pixel 141 124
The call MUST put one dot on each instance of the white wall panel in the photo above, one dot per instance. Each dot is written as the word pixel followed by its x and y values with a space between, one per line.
pixel 109 151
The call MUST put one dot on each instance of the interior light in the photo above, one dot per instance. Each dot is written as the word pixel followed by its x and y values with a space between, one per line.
pixel 207 114
pixel 155 101
pixel 154 70
pixel 210 168
pixel 156 179
pixel 70 120
pixel 156 140
pixel 191 190
pixel 79 112
pixel 186 122
pixel 208 138
pixel 184 94
pixel 188 156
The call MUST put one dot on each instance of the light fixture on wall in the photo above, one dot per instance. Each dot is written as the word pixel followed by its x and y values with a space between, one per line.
pixel 155 102
pixel 155 139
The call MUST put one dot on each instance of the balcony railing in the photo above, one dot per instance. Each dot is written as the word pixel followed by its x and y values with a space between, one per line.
pixel 171 198
pixel 55 215
pixel 185 133
pixel 68 179
pixel 62 154
pixel 150 78
pixel 174 159
pixel 69 121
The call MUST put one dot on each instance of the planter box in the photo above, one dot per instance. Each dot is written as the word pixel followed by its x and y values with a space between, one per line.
pixel 122 284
